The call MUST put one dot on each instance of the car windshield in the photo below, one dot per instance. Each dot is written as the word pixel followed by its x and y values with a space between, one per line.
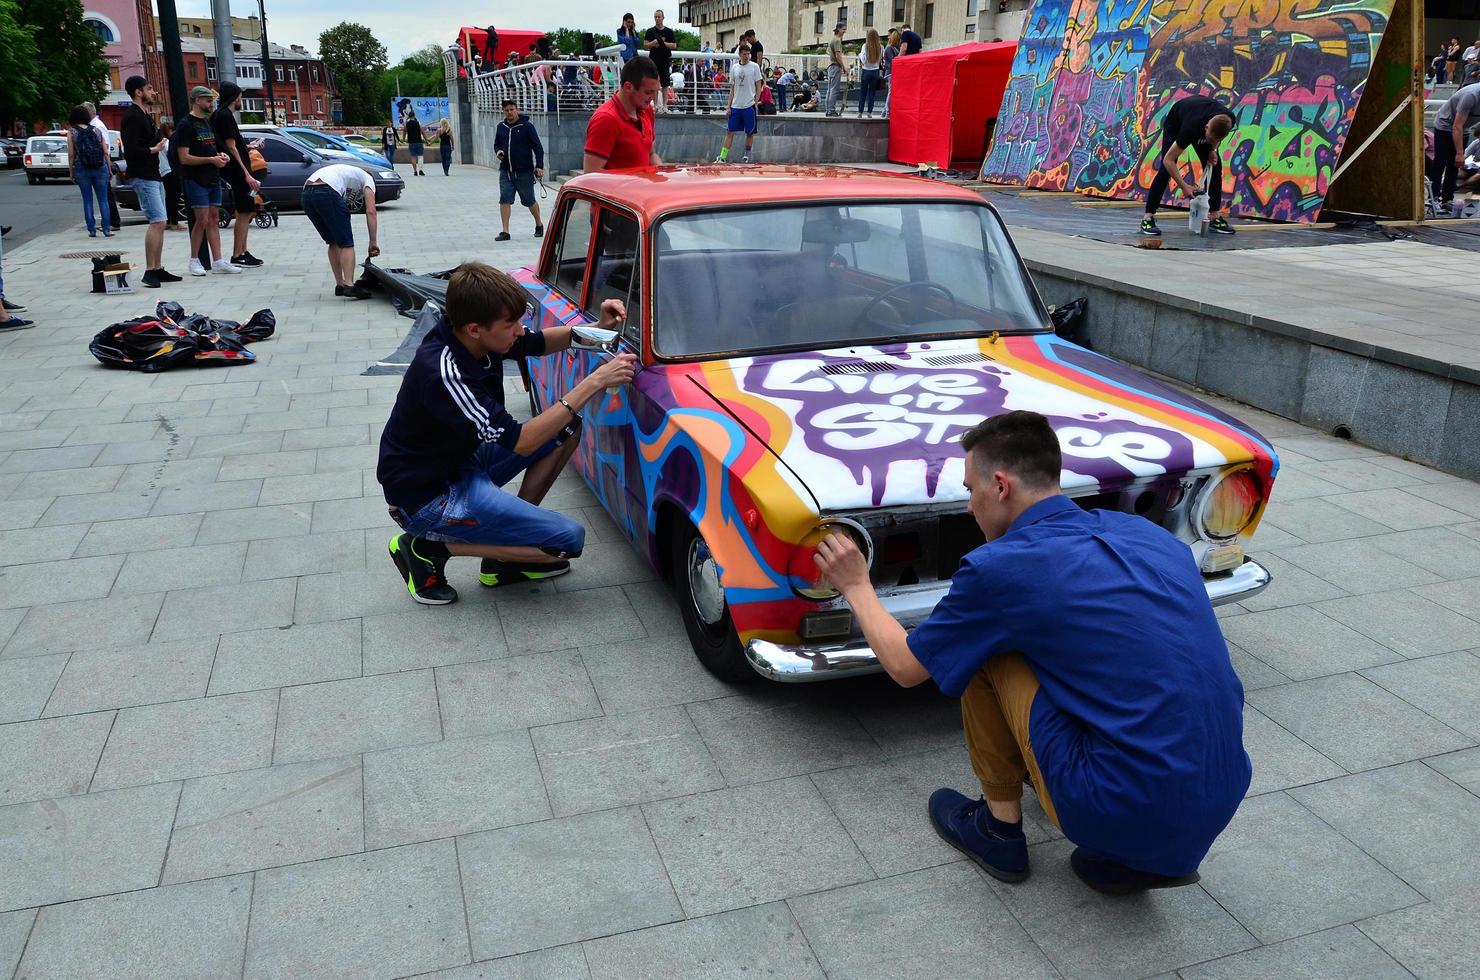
pixel 809 276
pixel 49 146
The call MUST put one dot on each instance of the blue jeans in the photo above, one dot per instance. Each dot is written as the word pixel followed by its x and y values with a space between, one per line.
pixel 151 199
pixel 93 182
pixel 781 104
pixel 476 511
pixel 866 94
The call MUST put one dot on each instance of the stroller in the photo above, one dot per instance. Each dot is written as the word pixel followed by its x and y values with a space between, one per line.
pixel 267 211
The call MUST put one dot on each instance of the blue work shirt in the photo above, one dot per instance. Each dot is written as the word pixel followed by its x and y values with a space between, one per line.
pixel 1138 721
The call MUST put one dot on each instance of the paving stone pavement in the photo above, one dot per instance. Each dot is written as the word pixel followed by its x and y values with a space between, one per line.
pixel 231 746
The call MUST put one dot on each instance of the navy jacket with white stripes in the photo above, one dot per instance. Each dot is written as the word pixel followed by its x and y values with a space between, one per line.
pixel 450 404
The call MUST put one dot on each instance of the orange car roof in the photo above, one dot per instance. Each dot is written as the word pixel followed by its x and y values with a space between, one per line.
pixel 653 191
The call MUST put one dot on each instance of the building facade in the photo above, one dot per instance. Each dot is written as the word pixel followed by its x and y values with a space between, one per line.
pixel 123 25
pixel 242 28
pixel 303 91
pixel 800 25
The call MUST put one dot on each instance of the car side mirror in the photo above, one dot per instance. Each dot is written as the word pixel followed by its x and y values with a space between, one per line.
pixel 307 159
pixel 594 339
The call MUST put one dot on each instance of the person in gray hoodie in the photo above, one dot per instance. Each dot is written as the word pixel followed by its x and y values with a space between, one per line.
pixel 521 158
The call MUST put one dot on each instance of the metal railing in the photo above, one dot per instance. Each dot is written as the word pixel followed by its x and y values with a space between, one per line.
pixel 564 85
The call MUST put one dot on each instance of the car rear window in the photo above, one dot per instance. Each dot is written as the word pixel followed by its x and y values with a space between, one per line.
pixel 56 145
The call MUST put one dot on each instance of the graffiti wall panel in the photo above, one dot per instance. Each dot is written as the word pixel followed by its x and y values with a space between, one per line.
pixel 1095 81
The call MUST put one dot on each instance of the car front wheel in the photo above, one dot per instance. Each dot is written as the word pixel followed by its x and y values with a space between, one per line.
pixel 706 615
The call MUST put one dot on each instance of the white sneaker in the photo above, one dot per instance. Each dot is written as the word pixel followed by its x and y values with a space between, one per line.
pixel 222 266
pixel 196 269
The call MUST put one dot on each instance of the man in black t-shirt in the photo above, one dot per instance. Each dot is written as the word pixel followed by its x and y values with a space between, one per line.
pixel 1195 123
pixel 660 43
pixel 193 149
pixel 141 145
pixel 236 173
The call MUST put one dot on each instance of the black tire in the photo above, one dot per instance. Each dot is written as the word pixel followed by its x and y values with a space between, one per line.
pixel 715 643
pixel 32 179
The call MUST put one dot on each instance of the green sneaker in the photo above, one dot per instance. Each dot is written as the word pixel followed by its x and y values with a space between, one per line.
pixel 495 574
pixel 1148 227
pixel 1220 226
pixel 423 577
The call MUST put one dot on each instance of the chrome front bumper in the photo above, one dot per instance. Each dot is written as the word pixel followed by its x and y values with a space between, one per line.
pixel 795 663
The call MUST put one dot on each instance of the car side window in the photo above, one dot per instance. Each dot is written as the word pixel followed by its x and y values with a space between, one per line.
pixel 616 269
pixel 276 151
pixel 570 256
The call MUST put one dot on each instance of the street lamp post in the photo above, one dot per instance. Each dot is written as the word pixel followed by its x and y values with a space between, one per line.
pixel 266 62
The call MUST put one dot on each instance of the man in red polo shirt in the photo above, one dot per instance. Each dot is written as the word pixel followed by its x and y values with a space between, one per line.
pixel 620 133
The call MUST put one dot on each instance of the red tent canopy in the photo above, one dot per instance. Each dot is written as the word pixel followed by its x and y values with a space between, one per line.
pixel 940 102
pixel 474 40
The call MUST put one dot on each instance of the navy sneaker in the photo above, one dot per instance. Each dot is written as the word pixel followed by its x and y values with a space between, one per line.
pixel 1148 227
pixel 1220 226
pixel 1113 878
pixel 1000 849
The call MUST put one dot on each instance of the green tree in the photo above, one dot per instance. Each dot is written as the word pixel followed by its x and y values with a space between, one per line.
pixel 69 57
pixel 429 56
pixel 687 40
pixel 414 77
pixel 17 61
pixel 356 59
pixel 567 40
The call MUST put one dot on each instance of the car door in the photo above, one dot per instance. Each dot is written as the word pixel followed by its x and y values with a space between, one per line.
pixel 286 172
pixel 614 466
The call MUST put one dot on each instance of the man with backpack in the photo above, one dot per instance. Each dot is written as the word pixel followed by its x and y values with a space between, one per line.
pixel 142 142
pixel 521 158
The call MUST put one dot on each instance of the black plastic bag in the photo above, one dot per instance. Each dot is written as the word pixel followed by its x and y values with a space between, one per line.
pixel 262 325
pixel 1071 321
pixel 145 343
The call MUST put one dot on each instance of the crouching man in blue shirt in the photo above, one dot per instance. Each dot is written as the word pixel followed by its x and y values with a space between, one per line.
pixel 1087 658
pixel 450 445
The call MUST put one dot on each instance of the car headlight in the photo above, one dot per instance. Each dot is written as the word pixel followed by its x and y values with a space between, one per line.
pixel 806 580
pixel 1229 504
pixel 388 175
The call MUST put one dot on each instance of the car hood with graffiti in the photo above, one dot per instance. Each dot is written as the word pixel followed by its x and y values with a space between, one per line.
pixel 880 426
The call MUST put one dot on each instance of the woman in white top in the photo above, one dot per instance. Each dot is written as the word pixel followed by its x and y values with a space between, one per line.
pixel 870 60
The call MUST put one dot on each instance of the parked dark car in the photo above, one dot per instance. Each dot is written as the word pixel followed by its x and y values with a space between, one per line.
pixel 289 165
pixel 13 150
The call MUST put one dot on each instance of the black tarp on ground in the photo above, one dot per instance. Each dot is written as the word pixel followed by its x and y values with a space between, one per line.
pixel 397 360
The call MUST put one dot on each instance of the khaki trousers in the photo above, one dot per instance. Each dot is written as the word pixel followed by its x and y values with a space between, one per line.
pixel 994 712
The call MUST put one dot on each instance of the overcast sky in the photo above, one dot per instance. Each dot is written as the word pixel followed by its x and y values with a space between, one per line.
pixel 405 25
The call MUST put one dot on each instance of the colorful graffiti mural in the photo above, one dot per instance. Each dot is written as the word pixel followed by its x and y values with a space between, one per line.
pixel 1093 80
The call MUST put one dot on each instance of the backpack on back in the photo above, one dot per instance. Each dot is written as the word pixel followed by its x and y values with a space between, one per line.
pixel 87 147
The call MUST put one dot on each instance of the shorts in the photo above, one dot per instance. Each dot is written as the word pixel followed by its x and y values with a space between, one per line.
pixel 241 193
pixel 741 120
pixel 151 199
pixel 520 180
pixel 198 195
pixel 417 150
pixel 474 510
pixel 329 215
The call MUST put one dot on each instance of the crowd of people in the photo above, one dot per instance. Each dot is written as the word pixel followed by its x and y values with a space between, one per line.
pixel 1455 64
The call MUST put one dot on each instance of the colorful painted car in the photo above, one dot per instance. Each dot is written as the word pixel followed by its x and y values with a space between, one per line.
pixel 813 342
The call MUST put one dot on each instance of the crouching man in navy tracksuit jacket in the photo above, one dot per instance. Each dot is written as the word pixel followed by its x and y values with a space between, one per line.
pixel 521 158
pixel 450 445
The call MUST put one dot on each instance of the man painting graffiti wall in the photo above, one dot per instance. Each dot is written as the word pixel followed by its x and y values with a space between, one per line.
pixel 1093 80
pixel 1199 124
